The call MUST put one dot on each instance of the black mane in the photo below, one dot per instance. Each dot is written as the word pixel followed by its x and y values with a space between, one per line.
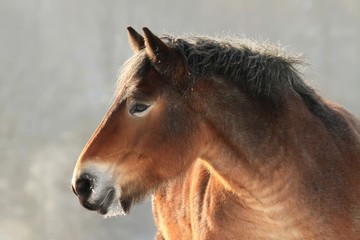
pixel 264 70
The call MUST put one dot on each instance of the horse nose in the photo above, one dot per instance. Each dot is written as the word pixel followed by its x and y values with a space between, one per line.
pixel 83 187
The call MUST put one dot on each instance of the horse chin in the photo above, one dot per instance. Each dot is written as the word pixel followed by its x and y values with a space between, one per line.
pixel 120 206
pixel 126 203
pixel 115 209
pixel 112 205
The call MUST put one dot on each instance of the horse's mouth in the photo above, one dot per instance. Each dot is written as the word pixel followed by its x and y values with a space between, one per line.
pixel 107 202
pixel 103 205
pixel 110 205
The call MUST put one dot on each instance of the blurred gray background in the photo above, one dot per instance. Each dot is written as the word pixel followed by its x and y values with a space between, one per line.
pixel 58 65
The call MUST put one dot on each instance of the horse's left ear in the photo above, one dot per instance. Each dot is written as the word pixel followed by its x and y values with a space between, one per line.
pixel 135 39
pixel 165 60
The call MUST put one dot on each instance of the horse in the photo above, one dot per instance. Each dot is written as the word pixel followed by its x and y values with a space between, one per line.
pixel 228 139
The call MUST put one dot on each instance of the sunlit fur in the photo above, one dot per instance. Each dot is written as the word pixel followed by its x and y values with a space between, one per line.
pixel 235 145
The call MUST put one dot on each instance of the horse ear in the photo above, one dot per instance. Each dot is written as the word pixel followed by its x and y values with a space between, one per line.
pixel 135 39
pixel 164 59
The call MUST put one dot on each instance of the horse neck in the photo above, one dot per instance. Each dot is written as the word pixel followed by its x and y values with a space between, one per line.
pixel 273 161
pixel 247 144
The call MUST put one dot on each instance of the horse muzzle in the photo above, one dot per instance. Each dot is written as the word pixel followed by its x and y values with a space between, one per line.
pixel 98 195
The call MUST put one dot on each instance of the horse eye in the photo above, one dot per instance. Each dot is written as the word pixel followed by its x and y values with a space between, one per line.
pixel 138 108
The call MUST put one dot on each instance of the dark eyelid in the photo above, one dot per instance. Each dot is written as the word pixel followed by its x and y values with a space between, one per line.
pixel 141 100
pixel 134 108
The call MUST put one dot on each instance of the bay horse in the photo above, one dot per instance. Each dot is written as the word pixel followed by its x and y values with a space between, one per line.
pixel 229 140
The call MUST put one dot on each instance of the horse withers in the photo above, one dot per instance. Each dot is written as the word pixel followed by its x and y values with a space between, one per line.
pixel 228 139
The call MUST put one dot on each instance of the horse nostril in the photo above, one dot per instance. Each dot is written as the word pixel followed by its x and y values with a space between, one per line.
pixel 83 187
